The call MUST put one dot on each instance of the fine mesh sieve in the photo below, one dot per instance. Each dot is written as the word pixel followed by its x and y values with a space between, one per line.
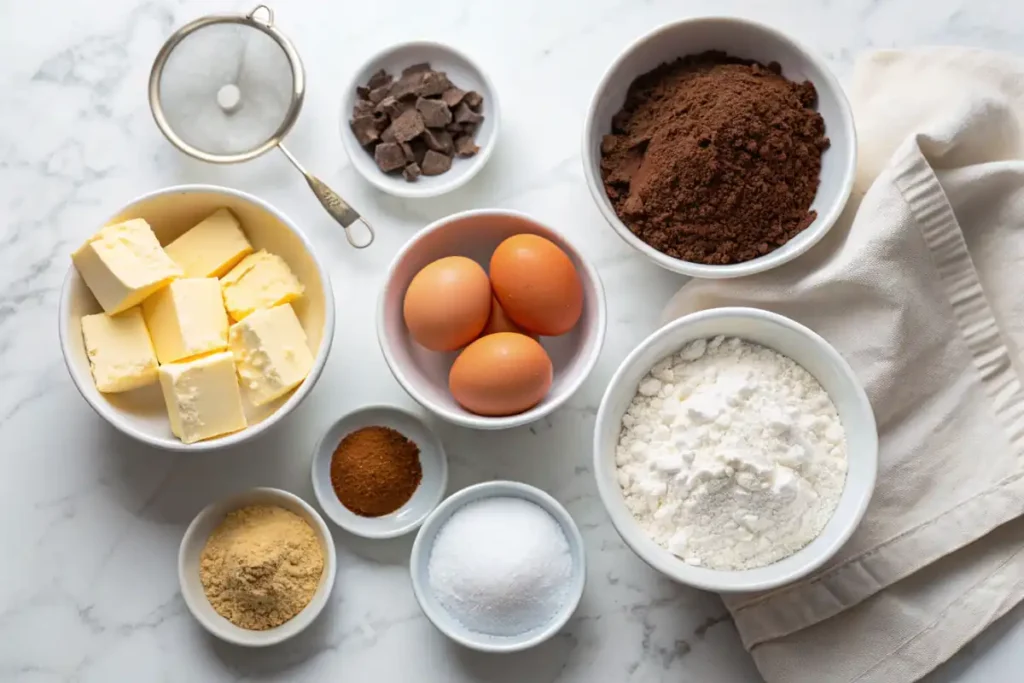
pixel 228 88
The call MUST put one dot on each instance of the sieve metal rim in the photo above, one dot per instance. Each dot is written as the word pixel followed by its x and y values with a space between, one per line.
pixel 250 20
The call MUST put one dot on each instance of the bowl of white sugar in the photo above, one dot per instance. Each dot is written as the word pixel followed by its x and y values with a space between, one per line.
pixel 499 567
pixel 735 450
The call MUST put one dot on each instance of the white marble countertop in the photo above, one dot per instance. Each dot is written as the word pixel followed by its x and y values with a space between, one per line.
pixel 90 521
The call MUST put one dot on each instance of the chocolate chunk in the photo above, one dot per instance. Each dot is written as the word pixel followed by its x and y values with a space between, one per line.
pixel 470 128
pixel 407 151
pixel 388 135
pixel 362 92
pixel 452 96
pixel 465 147
pixel 435 163
pixel 463 114
pixel 412 172
pixel 408 125
pixel 416 68
pixel 439 141
pixel 362 108
pixel 454 127
pixel 365 129
pixel 408 86
pixel 433 83
pixel 389 156
pixel 379 79
pixel 419 150
pixel 389 107
pixel 435 113
pixel 378 94
pixel 474 100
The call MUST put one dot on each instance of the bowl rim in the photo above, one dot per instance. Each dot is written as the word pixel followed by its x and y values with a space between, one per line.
pixel 731 581
pixel 810 235
pixel 480 421
pixel 404 189
pixel 237 635
pixel 113 417
pixel 320 452
pixel 498 488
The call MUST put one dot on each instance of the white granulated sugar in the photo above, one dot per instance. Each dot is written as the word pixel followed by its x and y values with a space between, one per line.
pixel 501 566
pixel 731 455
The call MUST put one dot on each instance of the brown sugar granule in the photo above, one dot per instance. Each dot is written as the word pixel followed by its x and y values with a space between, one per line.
pixel 375 471
pixel 715 159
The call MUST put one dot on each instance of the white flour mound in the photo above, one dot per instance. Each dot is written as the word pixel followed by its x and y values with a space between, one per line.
pixel 731 455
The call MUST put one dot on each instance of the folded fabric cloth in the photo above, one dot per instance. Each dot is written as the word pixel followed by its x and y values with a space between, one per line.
pixel 921 287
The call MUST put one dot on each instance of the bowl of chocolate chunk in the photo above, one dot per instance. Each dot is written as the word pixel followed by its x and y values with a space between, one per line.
pixel 419 120
pixel 719 147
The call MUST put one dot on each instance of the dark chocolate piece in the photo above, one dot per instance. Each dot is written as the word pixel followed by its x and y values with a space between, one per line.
pixel 378 94
pixel 454 127
pixel 389 156
pixel 412 172
pixel 365 129
pixel 435 163
pixel 362 108
pixel 433 83
pixel 389 107
pixel 419 150
pixel 388 135
pixel 474 100
pixel 463 114
pixel 439 141
pixel 416 68
pixel 407 151
pixel 452 96
pixel 465 147
pixel 362 92
pixel 408 126
pixel 435 113
pixel 379 79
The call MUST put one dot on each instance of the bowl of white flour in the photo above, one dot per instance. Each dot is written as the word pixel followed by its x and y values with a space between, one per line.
pixel 735 450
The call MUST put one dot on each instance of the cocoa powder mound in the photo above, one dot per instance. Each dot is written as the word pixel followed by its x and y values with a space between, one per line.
pixel 715 159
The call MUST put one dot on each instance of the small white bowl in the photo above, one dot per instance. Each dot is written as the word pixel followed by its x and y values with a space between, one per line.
pixel 749 40
pixel 452 627
pixel 410 516
pixel 424 373
pixel 190 554
pixel 141 413
pixel 464 73
pixel 805 348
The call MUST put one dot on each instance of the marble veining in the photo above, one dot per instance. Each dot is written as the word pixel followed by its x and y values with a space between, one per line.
pixel 90 520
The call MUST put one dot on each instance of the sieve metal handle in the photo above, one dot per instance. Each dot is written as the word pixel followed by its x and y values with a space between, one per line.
pixel 332 202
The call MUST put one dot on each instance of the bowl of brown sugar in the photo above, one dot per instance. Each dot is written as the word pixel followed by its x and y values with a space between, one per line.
pixel 379 471
pixel 719 147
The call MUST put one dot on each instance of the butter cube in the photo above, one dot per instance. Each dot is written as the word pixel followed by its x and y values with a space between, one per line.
pixel 271 352
pixel 187 318
pixel 202 397
pixel 212 247
pixel 120 352
pixel 123 263
pixel 261 280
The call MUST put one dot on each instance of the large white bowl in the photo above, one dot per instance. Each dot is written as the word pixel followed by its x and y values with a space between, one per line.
pixel 191 551
pixel 749 40
pixel 142 413
pixel 808 350
pixel 424 373
pixel 463 73
pixel 419 564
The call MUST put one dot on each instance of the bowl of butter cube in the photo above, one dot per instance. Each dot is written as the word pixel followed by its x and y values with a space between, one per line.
pixel 195 318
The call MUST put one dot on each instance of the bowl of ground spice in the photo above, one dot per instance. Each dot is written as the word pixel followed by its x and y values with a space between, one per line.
pixel 379 471
pixel 719 147
pixel 257 568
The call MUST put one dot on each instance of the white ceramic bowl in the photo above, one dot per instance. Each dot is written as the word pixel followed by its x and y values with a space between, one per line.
pixel 142 413
pixel 451 626
pixel 816 356
pixel 191 551
pixel 750 40
pixel 424 373
pixel 410 516
pixel 464 73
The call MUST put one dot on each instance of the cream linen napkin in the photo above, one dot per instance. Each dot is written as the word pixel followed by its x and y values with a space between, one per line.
pixel 921 287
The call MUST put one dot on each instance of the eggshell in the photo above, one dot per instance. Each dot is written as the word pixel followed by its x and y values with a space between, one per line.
pixel 447 303
pixel 501 374
pixel 499 322
pixel 537 285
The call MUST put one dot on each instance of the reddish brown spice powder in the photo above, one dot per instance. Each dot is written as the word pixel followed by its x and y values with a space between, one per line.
pixel 375 471
pixel 715 159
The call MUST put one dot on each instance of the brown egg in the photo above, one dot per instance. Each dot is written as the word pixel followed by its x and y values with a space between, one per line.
pixel 537 285
pixel 501 374
pixel 499 322
pixel 447 304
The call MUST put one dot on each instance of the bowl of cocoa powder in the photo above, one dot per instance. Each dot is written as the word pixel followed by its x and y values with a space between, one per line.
pixel 719 147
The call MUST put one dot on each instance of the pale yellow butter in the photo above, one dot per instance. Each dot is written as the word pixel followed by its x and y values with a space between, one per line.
pixel 121 355
pixel 187 318
pixel 261 280
pixel 202 396
pixel 271 353
pixel 212 247
pixel 124 263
